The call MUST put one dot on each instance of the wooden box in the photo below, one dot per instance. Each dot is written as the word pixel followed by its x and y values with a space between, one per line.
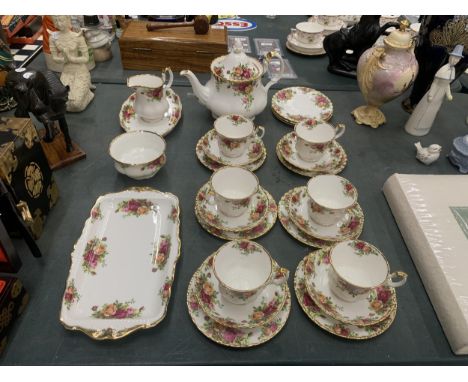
pixel 178 48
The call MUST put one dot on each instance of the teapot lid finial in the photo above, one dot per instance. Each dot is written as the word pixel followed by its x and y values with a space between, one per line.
pixel 238 47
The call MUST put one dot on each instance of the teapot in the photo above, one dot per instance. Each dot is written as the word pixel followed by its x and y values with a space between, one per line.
pixel 150 102
pixel 235 86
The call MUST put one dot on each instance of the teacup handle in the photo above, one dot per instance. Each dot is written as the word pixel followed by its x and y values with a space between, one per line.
pixel 262 131
pixel 339 130
pixel 401 276
pixel 279 276
pixel 294 32
pixel 171 77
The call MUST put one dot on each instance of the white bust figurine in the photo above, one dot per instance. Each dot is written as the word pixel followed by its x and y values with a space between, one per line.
pixel 70 48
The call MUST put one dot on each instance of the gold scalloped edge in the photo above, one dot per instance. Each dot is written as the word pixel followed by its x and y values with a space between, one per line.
pixel 237 230
pixel 122 124
pixel 292 49
pixel 290 121
pixel 391 315
pixel 297 170
pixel 269 319
pixel 205 225
pixel 280 328
pixel 110 334
pixel 255 165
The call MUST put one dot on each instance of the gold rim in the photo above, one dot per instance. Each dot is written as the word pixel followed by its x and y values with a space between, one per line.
pixel 146 87
pixel 313 318
pixel 283 323
pixel 176 104
pixel 236 167
pixel 292 49
pixel 109 334
pixel 223 161
pixel 337 317
pixel 355 198
pixel 284 288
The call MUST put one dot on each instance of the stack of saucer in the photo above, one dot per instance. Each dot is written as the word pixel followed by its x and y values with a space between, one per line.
pixel 234 141
pixel 229 300
pixel 361 319
pixel 232 205
pixel 330 23
pixel 312 149
pixel 322 213
pixel 306 39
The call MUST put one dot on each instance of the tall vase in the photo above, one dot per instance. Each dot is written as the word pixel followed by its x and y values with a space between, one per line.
pixel 383 74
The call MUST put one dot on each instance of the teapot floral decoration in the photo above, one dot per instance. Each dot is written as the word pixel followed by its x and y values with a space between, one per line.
pixel 235 85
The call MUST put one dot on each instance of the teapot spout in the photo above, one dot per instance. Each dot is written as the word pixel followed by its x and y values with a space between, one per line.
pixel 200 91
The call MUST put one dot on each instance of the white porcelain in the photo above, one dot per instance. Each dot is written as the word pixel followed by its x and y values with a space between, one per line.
pixel 330 21
pixel 308 32
pixel 265 308
pixel 123 264
pixel 314 138
pixel 151 103
pixel 427 155
pixel 233 189
pixel 233 132
pixel 138 154
pixel 130 121
pixel 243 270
pixel 253 151
pixel 330 197
pixel 358 267
pixel 315 47
pixel 235 86
pixel 303 51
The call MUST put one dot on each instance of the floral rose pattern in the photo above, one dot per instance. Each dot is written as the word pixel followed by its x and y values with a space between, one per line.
pixel 255 150
pixel 245 91
pixel 117 310
pixel 157 163
pixel 71 295
pixel 174 214
pixel 322 102
pixel 380 298
pixel 135 207
pixel 245 247
pixel 241 72
pixel 361 248
pixel 128 112
pixel 266 309
pixel 348 188
pixel 284 95
pixel 162 253
pixel 155 94
pixel 96 213
pixel 351 226
pixel 311 123
pixel 207 294
pixel 94 254
pixel 230 144
pixel 165 291
pixel 258 210
pixel 236 119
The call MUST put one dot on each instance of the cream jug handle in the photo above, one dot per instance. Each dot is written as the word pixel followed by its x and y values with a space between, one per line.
pixel 268 57
pixel 339 130
pixel 401 276
pixel 171 77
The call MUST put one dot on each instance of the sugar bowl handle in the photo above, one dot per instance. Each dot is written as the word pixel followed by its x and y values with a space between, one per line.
pixel 339 130
pixel 401 279
pixel 171 77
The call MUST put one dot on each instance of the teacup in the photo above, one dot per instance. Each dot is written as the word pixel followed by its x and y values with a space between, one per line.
pixel 308 32
pixel 233 189
pixel 233 132
pixel 329 20
pixel 357 268
pixel 150 102
pixel 315 137
pixel 138 154
pixel 330 197
pixel 243 269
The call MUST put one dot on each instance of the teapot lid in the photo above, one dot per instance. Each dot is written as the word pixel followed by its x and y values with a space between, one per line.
pixel 400 38
pixel 237 66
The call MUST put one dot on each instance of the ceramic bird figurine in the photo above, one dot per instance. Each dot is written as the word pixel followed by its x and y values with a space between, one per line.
pixel 427 155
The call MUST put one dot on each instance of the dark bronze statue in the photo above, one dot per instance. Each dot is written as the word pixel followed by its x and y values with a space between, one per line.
pixel 44 96
pixel 357 39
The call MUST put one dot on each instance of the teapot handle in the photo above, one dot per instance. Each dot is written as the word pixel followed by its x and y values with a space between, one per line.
pixel 171 77
pixel 268 57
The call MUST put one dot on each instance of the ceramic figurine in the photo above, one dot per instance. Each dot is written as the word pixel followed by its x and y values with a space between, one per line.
pixel 358 39
pixel 427 155
pixel 424 114
pixel 236 85
pixel 437 36
pixel 70 48
pixel 42 95
pixel 458 156
pixel 384 73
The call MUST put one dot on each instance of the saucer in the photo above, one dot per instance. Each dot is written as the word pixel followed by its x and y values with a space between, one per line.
pixel 377 307
pixel 343 230
pixel 210 213
pixel 252 154
pixel 331 159
pixel 261 229
pixel 234 337
pixel 293 230
pixel 305 52
pixel 257 313
pixel 129 120
pixel 329 324
pixel 296 103
pixel 213 165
